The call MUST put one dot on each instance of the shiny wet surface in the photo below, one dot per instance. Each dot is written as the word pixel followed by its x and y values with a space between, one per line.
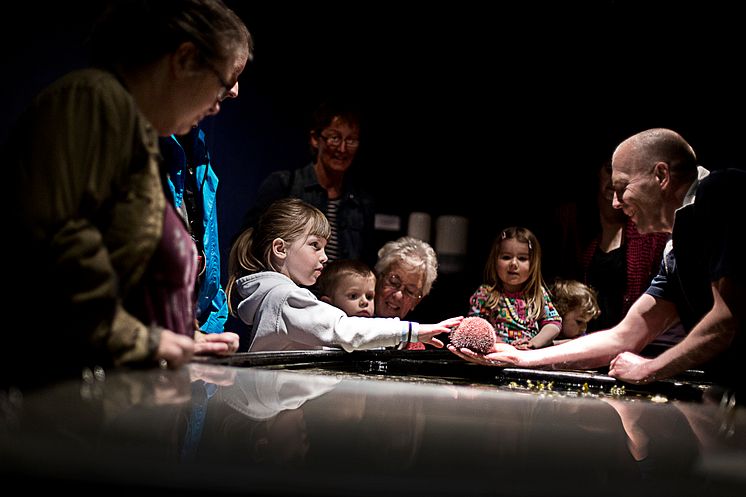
pixel 320 426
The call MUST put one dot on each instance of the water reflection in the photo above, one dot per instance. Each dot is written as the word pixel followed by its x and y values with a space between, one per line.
pixel 259 419
pixel 254 430
pixel 703 433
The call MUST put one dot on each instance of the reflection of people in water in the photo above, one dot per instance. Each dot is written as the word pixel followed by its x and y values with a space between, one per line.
pixel 697 428
pixel 383 429
pixel 206 379
pixel 264 394
pixel 637 438
pixel 259 418
pixel 272 417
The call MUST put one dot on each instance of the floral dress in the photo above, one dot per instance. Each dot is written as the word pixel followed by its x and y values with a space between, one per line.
pixel 509 317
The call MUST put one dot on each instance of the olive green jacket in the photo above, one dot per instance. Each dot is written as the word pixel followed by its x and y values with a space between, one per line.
pixel 87 187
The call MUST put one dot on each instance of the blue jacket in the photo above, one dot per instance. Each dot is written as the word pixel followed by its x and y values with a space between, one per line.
pixel 212 306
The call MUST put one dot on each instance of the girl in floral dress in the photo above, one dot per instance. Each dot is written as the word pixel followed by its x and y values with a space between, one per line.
pixel 513 297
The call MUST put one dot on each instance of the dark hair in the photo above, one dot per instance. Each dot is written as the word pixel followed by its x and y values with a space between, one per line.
pixel 133 33
pixel 325 113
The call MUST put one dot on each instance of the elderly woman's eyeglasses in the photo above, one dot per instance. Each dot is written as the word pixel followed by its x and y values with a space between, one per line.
pixel 393 281
pixel 334 140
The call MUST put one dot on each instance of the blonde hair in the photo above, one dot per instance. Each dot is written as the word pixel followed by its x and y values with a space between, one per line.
pixel 288 219
pixel 568 295
pixel 335 271
pixel 411 252
pixel 533 288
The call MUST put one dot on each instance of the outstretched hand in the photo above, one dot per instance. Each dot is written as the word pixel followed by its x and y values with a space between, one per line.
pixel 501 354
pixel 426 333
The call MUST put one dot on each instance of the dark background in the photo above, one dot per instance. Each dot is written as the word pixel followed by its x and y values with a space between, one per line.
pixel 498 113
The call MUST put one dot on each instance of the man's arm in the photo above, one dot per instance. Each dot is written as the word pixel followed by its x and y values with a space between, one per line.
pixel 710 337
pixel 646 319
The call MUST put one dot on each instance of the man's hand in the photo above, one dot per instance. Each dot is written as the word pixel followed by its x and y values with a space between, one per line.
pixel 631 368
pixel 502 354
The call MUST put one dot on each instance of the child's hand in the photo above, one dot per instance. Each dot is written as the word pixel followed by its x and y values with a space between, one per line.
pixel 426 333
pixel 522 344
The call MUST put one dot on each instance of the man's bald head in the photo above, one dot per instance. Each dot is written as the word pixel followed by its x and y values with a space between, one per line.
pixel 645 149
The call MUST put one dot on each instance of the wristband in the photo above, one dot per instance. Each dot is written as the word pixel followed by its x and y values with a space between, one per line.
pixel 414 331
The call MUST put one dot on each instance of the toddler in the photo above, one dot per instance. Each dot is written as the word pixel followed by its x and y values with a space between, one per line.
pixel 350 285
pixel 513 298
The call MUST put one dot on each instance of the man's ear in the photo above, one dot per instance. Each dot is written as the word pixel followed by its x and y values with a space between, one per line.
pixel 662 173
pixel 279 248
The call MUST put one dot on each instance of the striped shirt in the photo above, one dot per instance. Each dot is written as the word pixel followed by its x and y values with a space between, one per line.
pixel 332 245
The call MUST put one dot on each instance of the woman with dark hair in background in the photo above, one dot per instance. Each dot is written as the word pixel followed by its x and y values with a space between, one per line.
pixel 600 246
pixel 619 261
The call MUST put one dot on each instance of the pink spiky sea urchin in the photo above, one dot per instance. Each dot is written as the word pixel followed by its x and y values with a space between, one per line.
pixel 474 333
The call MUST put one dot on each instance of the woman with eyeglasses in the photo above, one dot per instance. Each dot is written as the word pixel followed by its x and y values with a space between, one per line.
pixel 406 270
pixel 103 263
pixel 326 183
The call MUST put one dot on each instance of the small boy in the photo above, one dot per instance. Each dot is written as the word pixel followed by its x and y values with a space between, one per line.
pixel 577 305
pixel 350 285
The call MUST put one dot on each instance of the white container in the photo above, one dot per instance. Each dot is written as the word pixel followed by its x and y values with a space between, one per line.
pixel 450 243
pixel 419 226
pixel 451 235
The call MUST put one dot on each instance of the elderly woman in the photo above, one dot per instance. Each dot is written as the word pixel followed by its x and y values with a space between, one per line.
pixel 405 272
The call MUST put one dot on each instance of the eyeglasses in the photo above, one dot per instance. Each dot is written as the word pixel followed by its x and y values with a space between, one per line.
pixel 335 140
pixel 226 87
pixel 393 281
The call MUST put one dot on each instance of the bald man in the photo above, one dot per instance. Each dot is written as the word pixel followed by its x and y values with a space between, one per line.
pixel 659 184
